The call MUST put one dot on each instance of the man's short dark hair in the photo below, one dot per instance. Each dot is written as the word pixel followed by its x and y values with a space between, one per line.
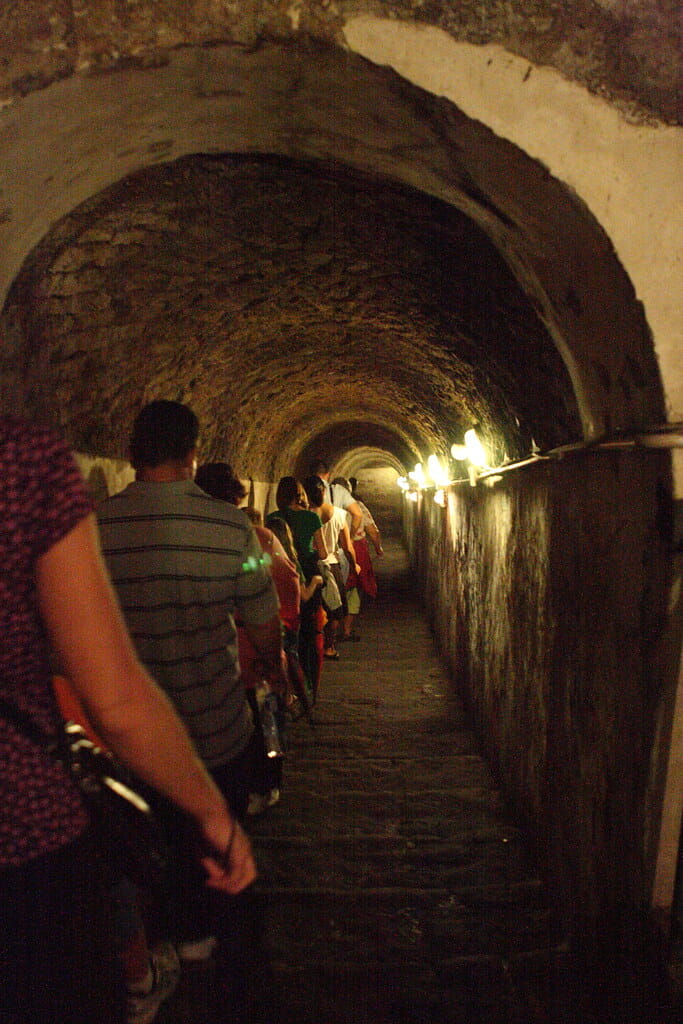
pixel 163 431
pixel 317 467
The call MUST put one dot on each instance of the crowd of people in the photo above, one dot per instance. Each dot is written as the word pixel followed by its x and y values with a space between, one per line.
pixel 185 632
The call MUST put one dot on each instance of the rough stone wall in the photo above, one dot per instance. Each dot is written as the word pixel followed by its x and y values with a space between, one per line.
pixel 627 50
pixel 549 596
pixel 245 286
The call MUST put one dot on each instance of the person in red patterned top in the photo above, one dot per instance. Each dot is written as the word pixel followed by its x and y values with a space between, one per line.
pixel 56 599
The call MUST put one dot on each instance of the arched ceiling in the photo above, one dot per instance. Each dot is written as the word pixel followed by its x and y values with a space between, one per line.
pixel 314 254
pixel 295 307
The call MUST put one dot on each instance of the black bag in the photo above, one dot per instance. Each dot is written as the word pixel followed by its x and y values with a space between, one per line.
pixel 125 828
pixel 129 834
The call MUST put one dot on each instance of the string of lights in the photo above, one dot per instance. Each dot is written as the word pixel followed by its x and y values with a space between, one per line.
pixel 437 474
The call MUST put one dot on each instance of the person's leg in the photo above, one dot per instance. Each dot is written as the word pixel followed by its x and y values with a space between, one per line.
pixel 296 673
pixel 241 963
pixel 129 936
pixel 308 647
pixel 57 959
pixel 258 784
pixel 181 908
pixel 330 637
pixel 353 604
pixel 150 974
pixel 317 652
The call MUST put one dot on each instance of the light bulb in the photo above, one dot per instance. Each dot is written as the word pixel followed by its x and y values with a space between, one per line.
pixel 475 449
pixel 460 452
pixel 436 471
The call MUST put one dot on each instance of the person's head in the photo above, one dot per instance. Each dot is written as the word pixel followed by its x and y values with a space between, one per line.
pixel 290 494
pixel 163 432
pixel 353 484
pixel 319 467
pixel 315 491
pixel 280 528
pixel 253 515
pixel 219 480
pixel 341 481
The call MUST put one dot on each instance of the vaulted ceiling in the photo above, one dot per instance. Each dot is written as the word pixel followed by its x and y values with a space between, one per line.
pixel 205 204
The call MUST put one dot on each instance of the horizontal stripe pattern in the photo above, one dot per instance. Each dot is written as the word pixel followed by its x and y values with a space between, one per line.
pixel 183 563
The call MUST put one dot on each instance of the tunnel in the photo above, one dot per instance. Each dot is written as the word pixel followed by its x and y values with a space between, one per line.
pixel 284 219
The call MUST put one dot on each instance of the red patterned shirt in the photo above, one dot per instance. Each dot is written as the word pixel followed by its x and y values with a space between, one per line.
pixel 42 497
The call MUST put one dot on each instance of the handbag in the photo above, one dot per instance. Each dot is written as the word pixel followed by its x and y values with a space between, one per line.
pixel 331 597
pixel 128 834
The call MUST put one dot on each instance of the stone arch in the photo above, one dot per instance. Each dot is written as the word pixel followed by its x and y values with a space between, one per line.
pixel 82 135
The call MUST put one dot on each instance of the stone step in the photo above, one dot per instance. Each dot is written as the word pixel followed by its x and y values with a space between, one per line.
pixel 330 741
pixel 434 814
pixel 396 771
pixel 405 926
pixel 395 887
pixel 462 990
pixel 367 862
pixel 473 991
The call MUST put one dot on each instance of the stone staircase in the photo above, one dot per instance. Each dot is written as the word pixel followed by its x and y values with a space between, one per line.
pixel 396 888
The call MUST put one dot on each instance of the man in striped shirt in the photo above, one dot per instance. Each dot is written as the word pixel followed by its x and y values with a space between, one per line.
pixel 182 564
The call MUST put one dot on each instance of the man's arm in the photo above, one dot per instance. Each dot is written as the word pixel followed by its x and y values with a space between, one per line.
pixel 374 535
pixel 343 498
pixel 356 514
pixel 320 545
pixel 347 546
pixel 135 718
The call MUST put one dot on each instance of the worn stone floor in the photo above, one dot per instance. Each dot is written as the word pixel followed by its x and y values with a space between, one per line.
pixel 394 887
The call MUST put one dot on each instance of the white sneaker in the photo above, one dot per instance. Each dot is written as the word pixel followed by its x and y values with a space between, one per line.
pixel 197 949
pixel 258 803
pixel 272 797
pixel 142 1008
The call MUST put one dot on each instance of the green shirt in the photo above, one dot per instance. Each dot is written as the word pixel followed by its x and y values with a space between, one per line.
pixel 304 525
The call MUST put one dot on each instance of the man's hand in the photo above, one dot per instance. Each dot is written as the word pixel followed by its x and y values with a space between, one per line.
pixel 232 867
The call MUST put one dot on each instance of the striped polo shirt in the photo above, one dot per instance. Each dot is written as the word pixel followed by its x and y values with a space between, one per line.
pixel 182 564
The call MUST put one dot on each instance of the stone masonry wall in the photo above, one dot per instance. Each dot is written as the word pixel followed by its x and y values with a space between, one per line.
pixel 548 594
pixel 626 49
